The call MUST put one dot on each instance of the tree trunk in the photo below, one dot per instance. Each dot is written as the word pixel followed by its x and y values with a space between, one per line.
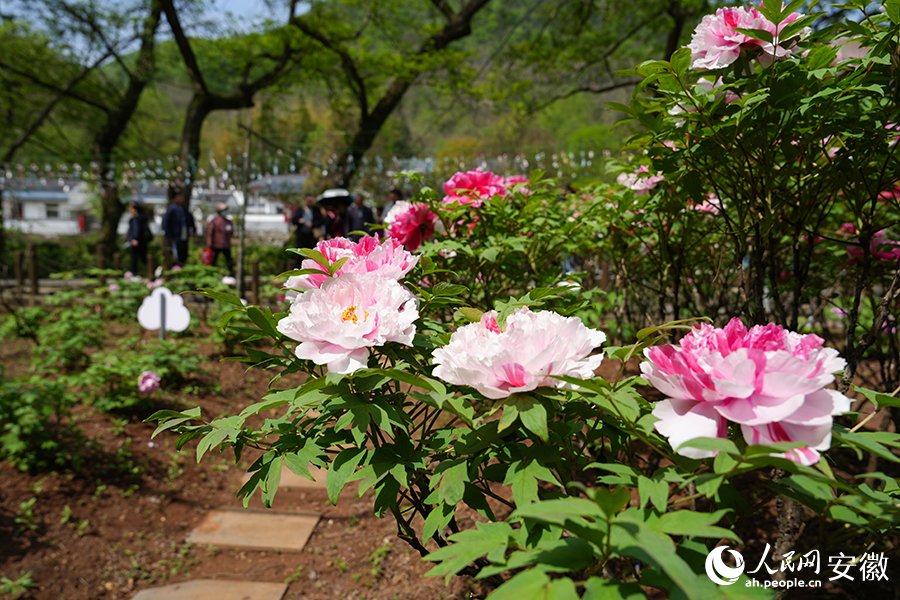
pixel 201 105
pixel 369 127
pixel 197 111
pixel 111 211
pixel 107 138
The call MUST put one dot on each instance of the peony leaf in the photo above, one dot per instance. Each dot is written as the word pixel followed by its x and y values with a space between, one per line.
pixel 473 315
pixel 343 465
pixel 681 60
pixel 596 588
pixel 758 34
pixel 533 416
pixel 611 502
pixel 437 519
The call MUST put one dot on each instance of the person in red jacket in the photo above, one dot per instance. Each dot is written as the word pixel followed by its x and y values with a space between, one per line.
pixel 218 236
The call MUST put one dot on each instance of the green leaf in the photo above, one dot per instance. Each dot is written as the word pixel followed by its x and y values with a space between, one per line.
pixel 486 538
pixel 423 382
pixel 221 296
pixel 273 478
pixel 559 511
pixel 529 410
pixel 865 441
pixel 596 588
pixel 522 477
pixel 448 289
pixel 298 462
pixel 263 321
pixel 688 523
pixel 527 585
pixel 169 418
pixel 633 538
pixel 451 476
pixel 681 60
pixel 724 463
pixel 877 398
pixel 437 519
pixel 759 34
pixel 473 315
pixel 680 324
pixel 892 8
pixel 340 469
pixel 655 491
pixel 213 438
pixel 788 9
pixel 846 515
pixel 611 502
pixel 712 444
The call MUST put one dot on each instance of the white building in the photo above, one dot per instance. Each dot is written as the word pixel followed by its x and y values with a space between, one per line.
pixel 47 207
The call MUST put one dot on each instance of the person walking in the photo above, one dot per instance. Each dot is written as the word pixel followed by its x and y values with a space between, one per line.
pixel 218 237
pixel 139 236
pixel 359 217
pixel 394 196
pixel 309 221
pixel 178 226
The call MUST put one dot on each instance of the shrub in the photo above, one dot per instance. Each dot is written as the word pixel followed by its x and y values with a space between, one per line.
pixel 36 431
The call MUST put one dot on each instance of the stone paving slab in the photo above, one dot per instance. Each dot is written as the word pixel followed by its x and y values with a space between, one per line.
pixel 259 530
pixel 210 589
pixel 289 479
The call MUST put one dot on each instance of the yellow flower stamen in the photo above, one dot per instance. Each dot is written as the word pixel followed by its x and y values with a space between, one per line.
pixel 350 315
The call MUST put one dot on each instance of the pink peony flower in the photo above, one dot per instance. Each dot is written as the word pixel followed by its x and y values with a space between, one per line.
pixel 114 287
pixel 638 182
pixel 337 323
pixel 881 248
pixel 521 357
pixel 715 44
pixel 154 284
pixel 148 382
pixel 368 255
pixel 473 187
pixel 410 223
pixel 769 380
pixel 848 50
pixel 711 205
pixel 176 268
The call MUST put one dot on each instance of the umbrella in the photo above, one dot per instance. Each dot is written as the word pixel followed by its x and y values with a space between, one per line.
pixel 335 197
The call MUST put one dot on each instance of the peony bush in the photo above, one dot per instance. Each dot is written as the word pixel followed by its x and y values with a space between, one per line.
pixel 582 395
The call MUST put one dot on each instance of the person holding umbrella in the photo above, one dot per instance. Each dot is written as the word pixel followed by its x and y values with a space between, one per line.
pixel 335 201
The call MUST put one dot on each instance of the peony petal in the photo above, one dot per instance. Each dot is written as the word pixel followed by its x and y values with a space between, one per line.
pixel 683 420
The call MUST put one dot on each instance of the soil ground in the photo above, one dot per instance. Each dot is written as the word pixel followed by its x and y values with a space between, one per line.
pixel 106 532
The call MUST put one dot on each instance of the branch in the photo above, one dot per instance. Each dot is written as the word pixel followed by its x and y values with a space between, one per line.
pixel 583 89
pixel 54 87
pixel 48 109
pixel 445 8
pixel 184 46
pixel 357 83
pixel 459 26
pixel 91 22
pixel 282 64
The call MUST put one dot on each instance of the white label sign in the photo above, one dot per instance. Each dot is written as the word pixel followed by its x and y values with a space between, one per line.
pixel 161 309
